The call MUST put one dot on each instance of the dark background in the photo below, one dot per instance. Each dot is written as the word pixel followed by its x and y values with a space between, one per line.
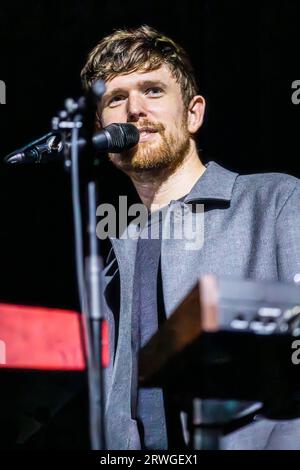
pixel 246 57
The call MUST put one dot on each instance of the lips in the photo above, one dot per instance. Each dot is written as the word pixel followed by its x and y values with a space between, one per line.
pixel 147 130
pixel 146 133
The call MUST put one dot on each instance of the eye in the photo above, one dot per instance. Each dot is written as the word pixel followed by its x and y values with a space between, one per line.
pixel 154 90
pixel 116 100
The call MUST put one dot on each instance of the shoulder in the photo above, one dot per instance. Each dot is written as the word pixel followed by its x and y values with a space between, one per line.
pixel 268 187
pixel 269 181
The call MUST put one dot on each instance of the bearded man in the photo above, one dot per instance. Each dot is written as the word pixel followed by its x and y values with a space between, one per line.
pixel 251 230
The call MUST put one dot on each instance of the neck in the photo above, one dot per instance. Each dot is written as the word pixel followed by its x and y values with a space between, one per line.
pixel 157 188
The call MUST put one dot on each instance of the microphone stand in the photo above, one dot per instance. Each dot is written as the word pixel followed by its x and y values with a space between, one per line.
pixel 80 115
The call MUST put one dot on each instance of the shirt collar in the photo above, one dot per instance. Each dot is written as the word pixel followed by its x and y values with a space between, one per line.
pixel 216 183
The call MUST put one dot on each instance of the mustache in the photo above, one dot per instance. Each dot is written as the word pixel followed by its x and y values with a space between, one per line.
pixel 156 126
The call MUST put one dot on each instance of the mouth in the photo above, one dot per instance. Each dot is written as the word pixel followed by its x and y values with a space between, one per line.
pixel 146 133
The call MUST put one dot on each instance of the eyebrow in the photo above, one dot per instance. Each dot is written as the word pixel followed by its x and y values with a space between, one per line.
pixel 140 84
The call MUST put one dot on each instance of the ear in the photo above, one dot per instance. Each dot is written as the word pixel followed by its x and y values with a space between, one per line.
pixel 195 113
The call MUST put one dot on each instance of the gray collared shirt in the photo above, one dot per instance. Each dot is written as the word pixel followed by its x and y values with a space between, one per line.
pixel 251 229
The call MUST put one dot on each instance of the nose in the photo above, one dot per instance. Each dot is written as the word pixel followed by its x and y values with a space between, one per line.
pixel 136 108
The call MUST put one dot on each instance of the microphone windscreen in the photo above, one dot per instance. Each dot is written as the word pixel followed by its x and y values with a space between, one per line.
pixel 122 137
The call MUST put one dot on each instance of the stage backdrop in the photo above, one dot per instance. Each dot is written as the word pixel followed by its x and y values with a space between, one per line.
pixel 246 58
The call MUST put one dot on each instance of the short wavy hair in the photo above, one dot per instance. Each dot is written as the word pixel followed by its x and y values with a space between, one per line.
pixel 130 50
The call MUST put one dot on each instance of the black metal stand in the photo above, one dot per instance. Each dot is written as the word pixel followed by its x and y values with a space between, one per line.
pixel 79 115
pixel 94 267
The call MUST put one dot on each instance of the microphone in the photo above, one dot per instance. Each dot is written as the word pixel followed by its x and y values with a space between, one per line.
pixel 37 150
pixel 114 138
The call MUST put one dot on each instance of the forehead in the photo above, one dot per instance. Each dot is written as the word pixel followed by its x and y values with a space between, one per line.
pixel 131 80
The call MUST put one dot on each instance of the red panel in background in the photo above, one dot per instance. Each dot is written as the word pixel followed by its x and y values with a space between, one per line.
pixel 40 338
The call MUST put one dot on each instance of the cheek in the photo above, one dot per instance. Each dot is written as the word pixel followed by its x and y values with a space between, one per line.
pixel 109 116
pixel 174 123
pixel 169 114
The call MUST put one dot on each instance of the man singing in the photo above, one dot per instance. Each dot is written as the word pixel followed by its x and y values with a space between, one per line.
pixel 251 229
